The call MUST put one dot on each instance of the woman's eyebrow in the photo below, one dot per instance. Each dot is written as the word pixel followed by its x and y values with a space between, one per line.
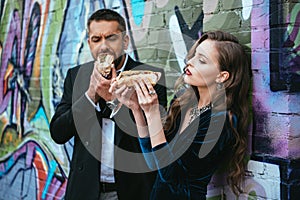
pixel 201 55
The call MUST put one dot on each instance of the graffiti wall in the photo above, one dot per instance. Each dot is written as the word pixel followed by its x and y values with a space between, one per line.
pixel 41 39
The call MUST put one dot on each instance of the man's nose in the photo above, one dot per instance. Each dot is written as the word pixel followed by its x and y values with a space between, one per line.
pixel 103 46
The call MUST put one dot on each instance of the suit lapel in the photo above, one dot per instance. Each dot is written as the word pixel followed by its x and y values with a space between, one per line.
pixel 131 64
pixel 82 80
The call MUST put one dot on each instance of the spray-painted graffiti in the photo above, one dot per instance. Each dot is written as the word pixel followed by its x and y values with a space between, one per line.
pixel 285 44
pixel 28 169
pixel 41 40
pixel 26 165
pixel 20 48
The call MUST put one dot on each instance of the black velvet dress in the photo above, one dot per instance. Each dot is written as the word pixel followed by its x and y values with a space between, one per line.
pixel 187 161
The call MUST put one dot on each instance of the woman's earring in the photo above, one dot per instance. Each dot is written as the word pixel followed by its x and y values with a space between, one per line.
pixel 220 86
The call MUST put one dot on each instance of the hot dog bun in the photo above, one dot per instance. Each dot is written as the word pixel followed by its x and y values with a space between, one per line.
pixel 128 77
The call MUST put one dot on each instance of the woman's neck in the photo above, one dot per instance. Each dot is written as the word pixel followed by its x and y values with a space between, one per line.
pixel 205 96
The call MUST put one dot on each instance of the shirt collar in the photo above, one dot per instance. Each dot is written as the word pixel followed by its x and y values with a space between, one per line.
pixel 124 64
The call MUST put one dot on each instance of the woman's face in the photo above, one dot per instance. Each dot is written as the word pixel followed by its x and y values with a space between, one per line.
pixel 202 70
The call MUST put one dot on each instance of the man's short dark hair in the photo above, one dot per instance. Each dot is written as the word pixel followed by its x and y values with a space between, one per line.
pixel 107 15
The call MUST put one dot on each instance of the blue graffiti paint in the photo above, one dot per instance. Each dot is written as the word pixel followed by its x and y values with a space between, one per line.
pixel 52 167
pixel 138 7
pixel 8 165
pixel 41 115
pixel 41 152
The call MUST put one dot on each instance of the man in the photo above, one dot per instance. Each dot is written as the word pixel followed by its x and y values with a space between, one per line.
pixel 105 163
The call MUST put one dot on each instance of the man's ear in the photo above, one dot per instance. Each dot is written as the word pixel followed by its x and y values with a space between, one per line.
pixel 126 41
pixel 222 77
pixel 89 41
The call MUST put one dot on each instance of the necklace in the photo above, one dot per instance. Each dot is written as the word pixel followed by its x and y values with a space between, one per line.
pixel 195 112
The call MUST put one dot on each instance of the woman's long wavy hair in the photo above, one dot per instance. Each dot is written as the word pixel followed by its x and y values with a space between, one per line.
pixel 232 58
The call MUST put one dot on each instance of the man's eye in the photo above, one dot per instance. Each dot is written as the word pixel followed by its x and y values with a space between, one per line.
pixel 95 39
pixel 112 38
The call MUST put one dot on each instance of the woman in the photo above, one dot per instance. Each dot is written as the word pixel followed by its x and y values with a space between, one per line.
pixel 206 124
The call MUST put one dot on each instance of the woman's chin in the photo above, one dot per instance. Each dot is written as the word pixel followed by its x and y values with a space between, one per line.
pixel 186 79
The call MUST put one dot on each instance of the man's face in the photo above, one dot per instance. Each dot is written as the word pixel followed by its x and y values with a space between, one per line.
pixel 105 37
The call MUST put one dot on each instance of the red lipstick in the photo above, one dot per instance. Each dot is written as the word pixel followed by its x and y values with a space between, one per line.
pixel 187 72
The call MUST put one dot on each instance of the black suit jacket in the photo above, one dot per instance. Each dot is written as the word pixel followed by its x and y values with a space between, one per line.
pixel 75 116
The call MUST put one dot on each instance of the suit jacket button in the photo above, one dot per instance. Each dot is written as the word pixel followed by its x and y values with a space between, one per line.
pixel 86 143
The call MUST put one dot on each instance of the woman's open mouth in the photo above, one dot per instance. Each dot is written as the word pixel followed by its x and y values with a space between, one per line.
pixel 187 72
